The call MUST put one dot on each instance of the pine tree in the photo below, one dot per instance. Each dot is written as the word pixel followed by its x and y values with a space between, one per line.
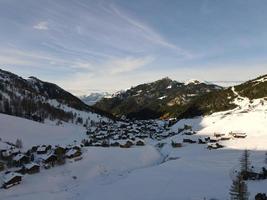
pixel 245 162
pixel 238 190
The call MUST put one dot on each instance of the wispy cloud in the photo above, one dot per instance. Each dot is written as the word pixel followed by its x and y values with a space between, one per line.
pixel 43 25
pixel 149 34
pixel 127 64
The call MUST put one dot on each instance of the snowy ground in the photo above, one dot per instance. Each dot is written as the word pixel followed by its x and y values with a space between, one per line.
pixel 33 133
pixel 189 173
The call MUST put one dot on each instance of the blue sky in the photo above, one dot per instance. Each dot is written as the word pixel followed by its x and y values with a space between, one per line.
pixel 86 45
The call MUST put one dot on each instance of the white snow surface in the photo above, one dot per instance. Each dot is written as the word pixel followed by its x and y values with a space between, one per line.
pixel 189 173
pixel 33 133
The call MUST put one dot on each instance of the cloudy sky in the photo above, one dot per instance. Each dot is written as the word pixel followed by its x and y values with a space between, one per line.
pixel 108 45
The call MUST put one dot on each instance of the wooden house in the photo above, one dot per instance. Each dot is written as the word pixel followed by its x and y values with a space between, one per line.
pixel 49 159
pixel 20 159
pixel 10 179
pixel 140 143
pixel 32 168
pixel 73 153
pixel 42 149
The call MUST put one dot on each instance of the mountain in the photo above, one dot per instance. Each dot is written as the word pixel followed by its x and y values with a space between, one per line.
pixel 163 98
pixel 94 97
pixel 227 98
pixel 40 101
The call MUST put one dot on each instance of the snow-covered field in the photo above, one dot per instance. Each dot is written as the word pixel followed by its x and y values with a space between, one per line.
pixel 33 133
pixel 189 173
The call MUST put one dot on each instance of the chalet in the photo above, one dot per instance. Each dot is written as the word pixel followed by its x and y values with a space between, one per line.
pixel 201 141
pixel 238 135
pixel 73 153
pixel 9 153
pixel 32 168
pixel 140 143
pixel 219 135
pixel 190 133
pixel 214 139
pixel 20 159
pixel 176 145
pixel 189 141
pixel 214 146
pixel 42 149
pixel 49 159
pixel 128 144
pixel 223 138
pixel 10 179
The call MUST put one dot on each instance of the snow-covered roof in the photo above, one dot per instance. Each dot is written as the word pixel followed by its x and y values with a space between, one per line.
pixel 8 177
pixel 31 165
pixel 71 152
pixel 18 157
pixel 42 148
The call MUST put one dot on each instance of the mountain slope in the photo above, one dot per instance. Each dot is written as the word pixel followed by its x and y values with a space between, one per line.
pixel 156 99
pixel 38 100
pixel 227 99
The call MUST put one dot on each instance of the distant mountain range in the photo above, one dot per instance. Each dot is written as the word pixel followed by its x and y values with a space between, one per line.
pixel 167 98
pixel 94 97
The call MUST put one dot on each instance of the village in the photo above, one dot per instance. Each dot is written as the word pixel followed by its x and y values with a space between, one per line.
pixel 15 161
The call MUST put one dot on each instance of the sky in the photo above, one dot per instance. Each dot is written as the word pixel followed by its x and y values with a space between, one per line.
pixel 108 45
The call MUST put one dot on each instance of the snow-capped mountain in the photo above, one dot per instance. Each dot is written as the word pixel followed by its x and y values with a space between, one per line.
pixel 40 101
pixel 161 98
pixel 94 97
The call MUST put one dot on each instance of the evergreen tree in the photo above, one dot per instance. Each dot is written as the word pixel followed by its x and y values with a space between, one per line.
pixel 245 162
pixel 238 190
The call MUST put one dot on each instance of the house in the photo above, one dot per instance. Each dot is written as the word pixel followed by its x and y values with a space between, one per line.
pixel 8 153
pixel 219 134
pixel 214 139
pixel 140 143
pixel 42 149
pixel 49 159
pixel 189 141
pixel 20 159
pixel 73 153
pixel 32 168
pixel 128 144
pixel 176 145
pixel 201 141
pixel 10 179
pixel 214 146
pixel 238 135
pixel 225 138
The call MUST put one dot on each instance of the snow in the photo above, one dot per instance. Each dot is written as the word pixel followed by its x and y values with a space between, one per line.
pixel 33 133
pixel 161 98
pixel 191 172
pixel 30 165
pixel 192 81
pixel 169 87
